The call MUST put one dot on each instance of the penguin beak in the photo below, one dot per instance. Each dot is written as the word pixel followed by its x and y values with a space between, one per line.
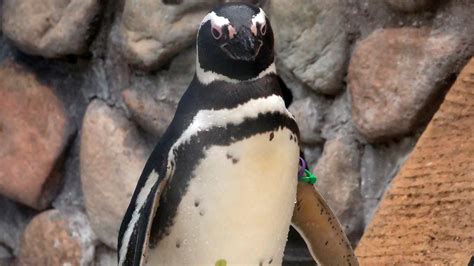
pixel 244 46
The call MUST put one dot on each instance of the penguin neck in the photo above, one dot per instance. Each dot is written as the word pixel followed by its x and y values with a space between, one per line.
pixel 207 77
pixel 223 94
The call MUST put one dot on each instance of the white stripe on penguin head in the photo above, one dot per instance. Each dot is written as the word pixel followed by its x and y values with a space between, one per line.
pixel 215 19
pixel 259 18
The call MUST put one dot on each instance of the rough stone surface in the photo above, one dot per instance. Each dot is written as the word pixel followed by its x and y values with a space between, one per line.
pixel 379 165
pixel 309 114
pixel 13 220
pixel 54 238
pixel 338 119
pixel 391 99
pixel 412 5
pixel 70 194
pixel 426 216
pixel 311 41
pixel 6 256
pixel 153 99
pixel 112 158
pixel 34 132
pixel 339 183
pixel 153 32
pixel 105 256
pixel 50 28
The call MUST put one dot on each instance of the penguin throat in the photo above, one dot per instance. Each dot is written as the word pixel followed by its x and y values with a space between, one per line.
pixel 208 76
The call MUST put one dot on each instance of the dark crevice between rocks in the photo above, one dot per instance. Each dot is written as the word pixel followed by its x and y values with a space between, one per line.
pixel 172 2
pixel 13 221
pixel 54 183
pixel 70 193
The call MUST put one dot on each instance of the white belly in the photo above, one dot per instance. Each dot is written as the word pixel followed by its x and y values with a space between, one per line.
pixel 239 206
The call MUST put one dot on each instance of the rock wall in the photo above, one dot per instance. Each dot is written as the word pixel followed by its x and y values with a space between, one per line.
pixel 87 88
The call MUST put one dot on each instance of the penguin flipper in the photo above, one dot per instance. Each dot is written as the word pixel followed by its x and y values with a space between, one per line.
pixel 320 229
pixel 136 225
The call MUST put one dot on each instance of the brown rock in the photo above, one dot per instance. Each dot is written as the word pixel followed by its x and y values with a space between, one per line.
pixel 339 183
pixel 152 32
pixel 53 238
pixel 395 78
pixel 33 135
pixel 50 28
pixel 112 158
pixel 426 217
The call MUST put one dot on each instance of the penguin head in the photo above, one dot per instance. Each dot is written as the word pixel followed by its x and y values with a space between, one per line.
pixel 235 42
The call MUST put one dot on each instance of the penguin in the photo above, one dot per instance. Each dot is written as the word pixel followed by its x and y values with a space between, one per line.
pixel 221 184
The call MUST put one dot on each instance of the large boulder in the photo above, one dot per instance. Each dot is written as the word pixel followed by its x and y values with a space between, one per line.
pixel 34 131
pixel 396 76
pixel 152 32
pixel 311 41
pixel 50 28
pixel 112 158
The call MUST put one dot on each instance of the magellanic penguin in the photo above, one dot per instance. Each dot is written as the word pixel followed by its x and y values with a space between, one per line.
pixel 220 186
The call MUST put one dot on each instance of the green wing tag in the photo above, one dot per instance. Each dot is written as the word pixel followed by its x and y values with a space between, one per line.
pixel 308 177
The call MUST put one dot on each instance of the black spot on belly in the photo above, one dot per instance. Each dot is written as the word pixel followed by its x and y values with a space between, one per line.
pixel 202 212
pixel 232 158
pixel 326 243
pixel 196 203
pixel 272 135
pixel 270 261
pixel 260 263
pixel 178 244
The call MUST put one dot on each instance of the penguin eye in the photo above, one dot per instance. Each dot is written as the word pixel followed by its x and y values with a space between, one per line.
pixel 216 32
pixel 263 29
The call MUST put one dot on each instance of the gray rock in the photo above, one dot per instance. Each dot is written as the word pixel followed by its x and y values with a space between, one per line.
pixel 412 5
pixel 152 99
pixel 338 118
pixel 71 193
pixel 105 256
pixel 13 221
pixel 380 163
pixel 5 255
pixel 312 153
pixel 153 32
pixel 309 114
pixel 391 99
pixel 311 41
pixel 112 158
pixel 339 182
pixel 50 28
